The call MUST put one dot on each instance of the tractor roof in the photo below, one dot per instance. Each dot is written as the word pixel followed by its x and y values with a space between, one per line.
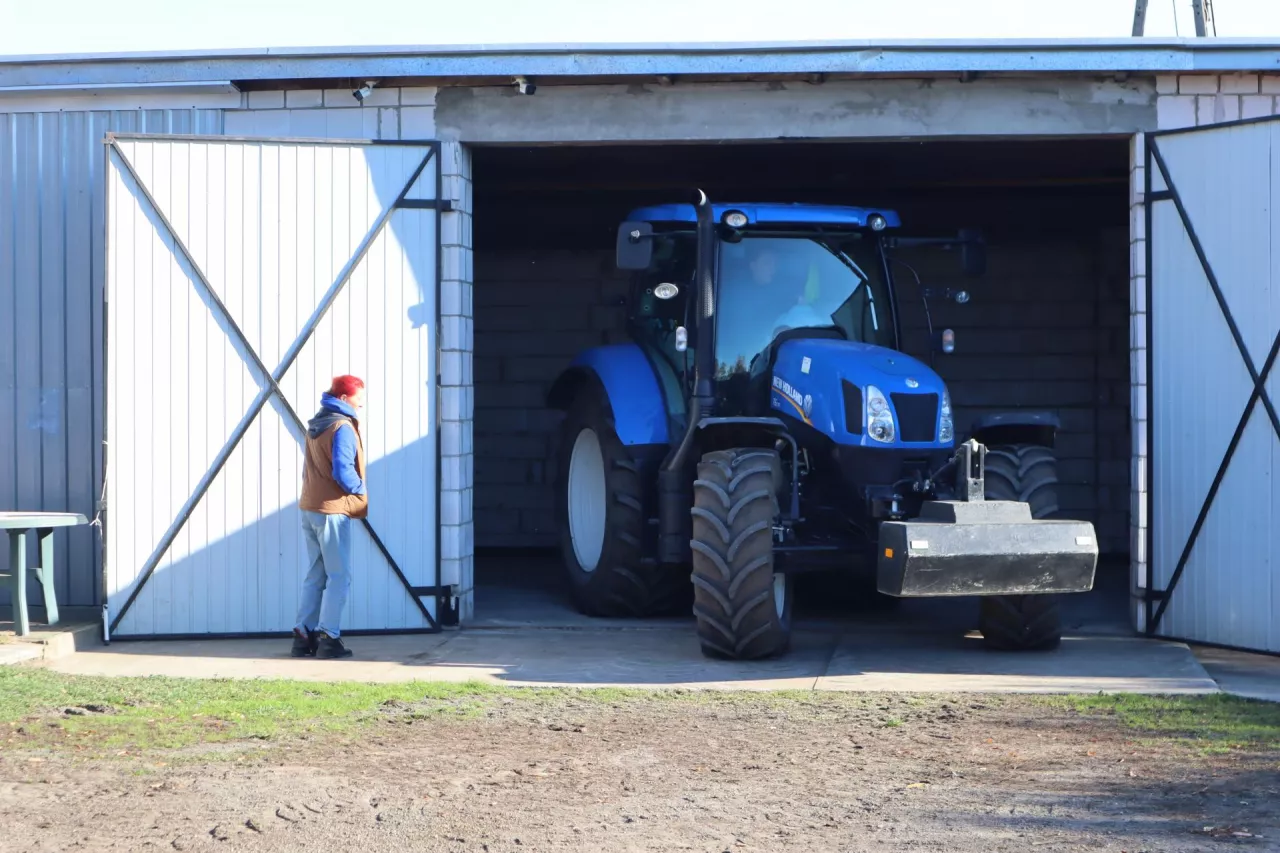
pixel 770 213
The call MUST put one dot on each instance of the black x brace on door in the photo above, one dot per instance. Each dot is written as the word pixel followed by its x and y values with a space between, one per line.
pixel 1156 601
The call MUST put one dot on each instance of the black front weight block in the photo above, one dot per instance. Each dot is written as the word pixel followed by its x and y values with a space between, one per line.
pixel 984 548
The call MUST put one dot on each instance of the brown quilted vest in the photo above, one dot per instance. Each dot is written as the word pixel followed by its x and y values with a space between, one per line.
pixel 320 492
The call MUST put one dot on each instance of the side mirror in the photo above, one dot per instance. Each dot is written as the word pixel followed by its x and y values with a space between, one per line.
pixel 973 252
pixel 635 245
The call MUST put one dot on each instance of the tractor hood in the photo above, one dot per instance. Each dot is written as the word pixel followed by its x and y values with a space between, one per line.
pixel 825 383
pixel 873 358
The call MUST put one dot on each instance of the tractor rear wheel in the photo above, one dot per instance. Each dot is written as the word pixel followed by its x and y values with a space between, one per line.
pixel 742 606
pixel 603 521
pixel 1028 473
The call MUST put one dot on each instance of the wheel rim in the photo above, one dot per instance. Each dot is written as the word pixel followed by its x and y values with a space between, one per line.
pixel 587 493
pixel 780 593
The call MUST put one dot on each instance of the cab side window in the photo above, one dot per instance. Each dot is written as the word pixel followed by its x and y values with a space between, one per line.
pixel 654 320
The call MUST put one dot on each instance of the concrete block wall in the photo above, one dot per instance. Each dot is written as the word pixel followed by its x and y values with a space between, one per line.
pixel 533 311
pixel 1190 100
pixel 1138 521
pixel 457 396
pixel 395 113
pixel 1035 334
pixel 1045 329
pixel 1182 101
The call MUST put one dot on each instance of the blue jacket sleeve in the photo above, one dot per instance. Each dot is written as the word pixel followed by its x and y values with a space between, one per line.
pixel 344 460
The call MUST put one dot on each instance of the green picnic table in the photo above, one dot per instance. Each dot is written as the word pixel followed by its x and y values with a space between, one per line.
pixel 18 525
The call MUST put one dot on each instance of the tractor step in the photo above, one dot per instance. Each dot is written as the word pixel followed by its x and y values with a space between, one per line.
pixel 988 548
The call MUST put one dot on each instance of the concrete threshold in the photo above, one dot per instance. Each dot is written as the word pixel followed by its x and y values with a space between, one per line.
pixel 655 659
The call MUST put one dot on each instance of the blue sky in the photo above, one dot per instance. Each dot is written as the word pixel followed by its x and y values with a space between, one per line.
pixel 73 26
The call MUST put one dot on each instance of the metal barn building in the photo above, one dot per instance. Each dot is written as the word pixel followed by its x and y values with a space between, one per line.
pixel 192 244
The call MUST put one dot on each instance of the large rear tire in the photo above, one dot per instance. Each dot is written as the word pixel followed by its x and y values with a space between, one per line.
pixel 1026 473
pixel 603 521
pixel 743 608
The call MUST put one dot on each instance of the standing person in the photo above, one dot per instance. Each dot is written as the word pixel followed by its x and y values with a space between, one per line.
pixel 333 494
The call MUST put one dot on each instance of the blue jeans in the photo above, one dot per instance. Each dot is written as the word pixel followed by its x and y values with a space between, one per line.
pixel 324 590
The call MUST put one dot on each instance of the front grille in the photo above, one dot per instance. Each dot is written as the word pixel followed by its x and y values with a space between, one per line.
pixel 917 416
pixel 852 407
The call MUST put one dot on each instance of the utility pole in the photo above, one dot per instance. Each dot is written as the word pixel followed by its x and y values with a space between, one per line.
pixel 1203 11
pixel 1139 18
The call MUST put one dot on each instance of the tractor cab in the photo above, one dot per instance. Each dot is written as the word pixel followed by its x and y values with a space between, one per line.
pixel 780 272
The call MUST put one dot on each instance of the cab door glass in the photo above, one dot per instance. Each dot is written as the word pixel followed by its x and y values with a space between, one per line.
pixel 661 304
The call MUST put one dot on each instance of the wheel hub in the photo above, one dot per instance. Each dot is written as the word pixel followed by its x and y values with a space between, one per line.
pixel 587 500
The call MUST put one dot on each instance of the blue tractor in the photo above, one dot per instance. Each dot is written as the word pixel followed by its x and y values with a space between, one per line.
pixel 763 421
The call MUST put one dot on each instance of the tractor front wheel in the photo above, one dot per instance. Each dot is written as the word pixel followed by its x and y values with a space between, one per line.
pixel 1027 473
pixel 1020 622
pixel 602 521
pixel 743 608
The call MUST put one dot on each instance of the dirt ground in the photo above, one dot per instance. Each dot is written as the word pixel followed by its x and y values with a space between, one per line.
pixel 747 774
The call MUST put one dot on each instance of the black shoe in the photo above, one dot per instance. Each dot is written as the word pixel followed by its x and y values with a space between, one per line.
pixel 331 647
pixel 304 644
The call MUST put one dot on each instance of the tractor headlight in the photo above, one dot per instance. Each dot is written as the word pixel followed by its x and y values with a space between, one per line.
pixel 877 222
pixel 880 424
pixel 946 423
pixel 735 219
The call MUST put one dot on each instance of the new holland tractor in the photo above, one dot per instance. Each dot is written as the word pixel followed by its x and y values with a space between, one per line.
pixel 763 421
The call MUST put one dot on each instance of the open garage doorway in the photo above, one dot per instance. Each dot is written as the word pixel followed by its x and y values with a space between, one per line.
pixel 1045 328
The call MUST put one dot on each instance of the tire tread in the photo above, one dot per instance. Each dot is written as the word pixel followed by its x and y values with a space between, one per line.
pixel 735 508
pixel 1026 473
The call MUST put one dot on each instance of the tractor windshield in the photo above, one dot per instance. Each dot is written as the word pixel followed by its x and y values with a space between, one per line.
pixel 768 285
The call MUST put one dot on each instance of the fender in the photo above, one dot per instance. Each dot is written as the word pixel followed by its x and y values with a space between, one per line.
pixel 629 383
pixel 1040 428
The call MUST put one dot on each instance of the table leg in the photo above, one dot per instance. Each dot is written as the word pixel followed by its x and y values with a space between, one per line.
pixel 46 575
pixel 18 579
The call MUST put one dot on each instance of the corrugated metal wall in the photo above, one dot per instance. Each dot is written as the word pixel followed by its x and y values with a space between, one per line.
pixel 1226 182
pixel 273 227
pixel 51 279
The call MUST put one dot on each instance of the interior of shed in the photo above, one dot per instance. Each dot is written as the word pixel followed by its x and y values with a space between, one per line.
pixel 1046 327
